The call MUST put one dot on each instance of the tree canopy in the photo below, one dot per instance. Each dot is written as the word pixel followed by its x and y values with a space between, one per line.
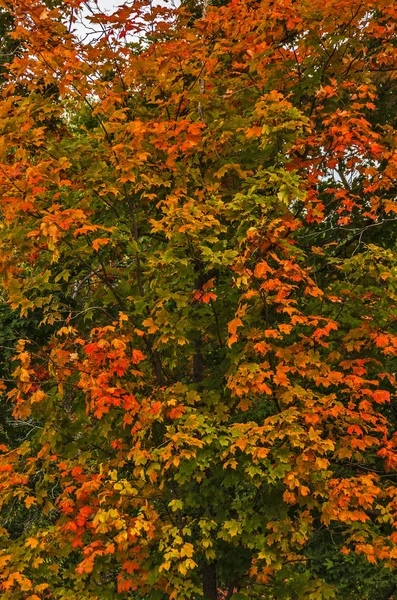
pixel 199 285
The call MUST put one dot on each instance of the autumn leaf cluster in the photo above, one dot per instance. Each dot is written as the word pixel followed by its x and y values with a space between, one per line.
pixel 198 270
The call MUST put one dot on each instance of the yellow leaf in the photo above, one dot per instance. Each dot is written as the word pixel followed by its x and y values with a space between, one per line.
pixel 24 375
pixel 37 396
pixel 118 344
pixel 4 559
pixel 187 550
pixel 233 527
pixel 32 542
pixel 38 561
pixel 24 582
pixel 190 563
pixel 150 325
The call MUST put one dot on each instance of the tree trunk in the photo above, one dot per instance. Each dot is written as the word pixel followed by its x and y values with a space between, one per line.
pixel 390 592
pixel 209 582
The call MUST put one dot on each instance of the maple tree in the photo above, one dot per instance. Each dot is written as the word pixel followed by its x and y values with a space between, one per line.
pixel 199 263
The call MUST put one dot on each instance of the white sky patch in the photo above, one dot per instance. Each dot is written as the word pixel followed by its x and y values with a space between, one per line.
pixel 86 30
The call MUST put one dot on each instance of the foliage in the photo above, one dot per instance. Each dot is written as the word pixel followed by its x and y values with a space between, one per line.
pixel 200 210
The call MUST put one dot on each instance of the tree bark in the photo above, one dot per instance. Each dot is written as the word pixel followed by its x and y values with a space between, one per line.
pixel 209 582
pixel 390 592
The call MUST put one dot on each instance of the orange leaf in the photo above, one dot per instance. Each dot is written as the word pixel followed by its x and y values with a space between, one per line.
pixel 232 325
pixel 99 242
pixel 137 357
pixel 29 501
pixel 381 396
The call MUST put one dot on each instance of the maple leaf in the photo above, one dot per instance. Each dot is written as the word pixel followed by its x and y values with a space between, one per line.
pixel 137 357
pixel 99 242
pixel 30 501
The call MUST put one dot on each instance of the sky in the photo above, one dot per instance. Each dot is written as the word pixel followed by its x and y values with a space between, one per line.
pixel 83 27
pixel 108 6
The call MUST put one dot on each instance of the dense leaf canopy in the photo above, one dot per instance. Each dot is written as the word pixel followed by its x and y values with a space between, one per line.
pixel 199 285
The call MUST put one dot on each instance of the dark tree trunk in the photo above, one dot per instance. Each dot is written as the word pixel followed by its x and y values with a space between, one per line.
pixel 209 582
pixel 390 592
pixel 198 363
